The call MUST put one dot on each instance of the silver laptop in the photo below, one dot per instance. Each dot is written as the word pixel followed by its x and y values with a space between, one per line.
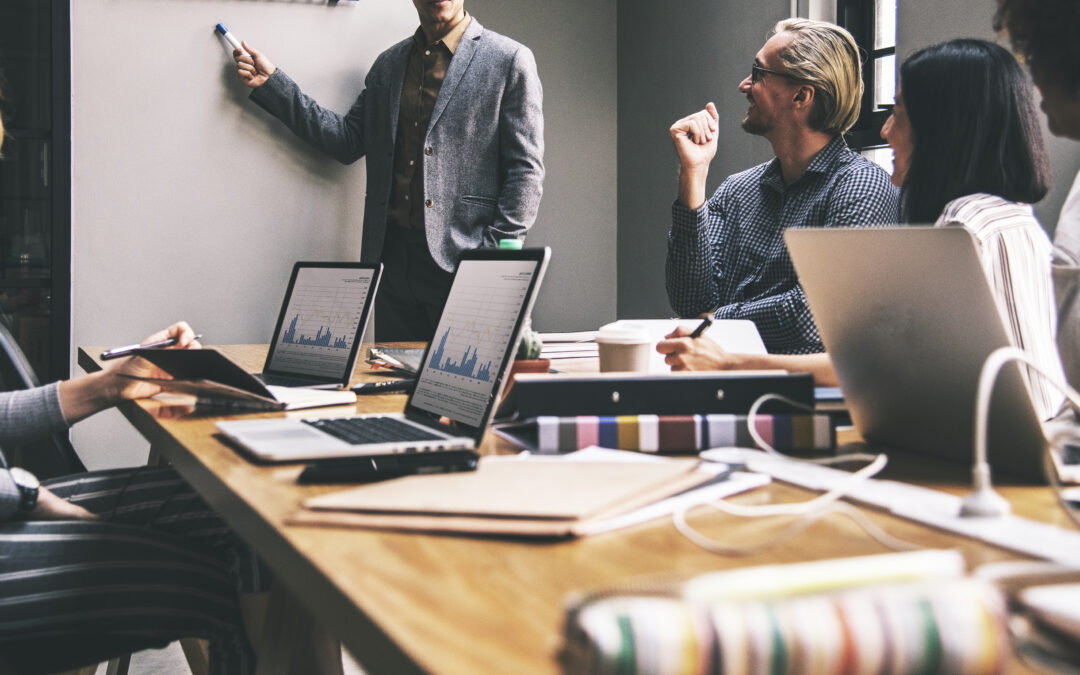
pixel 460 378
pixel 323 317
pixel 908 317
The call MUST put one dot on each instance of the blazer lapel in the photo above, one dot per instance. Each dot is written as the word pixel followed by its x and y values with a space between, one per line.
pixel 458 65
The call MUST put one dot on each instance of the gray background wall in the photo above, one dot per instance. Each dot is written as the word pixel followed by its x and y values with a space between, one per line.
pixel 190 202
pixel 674 57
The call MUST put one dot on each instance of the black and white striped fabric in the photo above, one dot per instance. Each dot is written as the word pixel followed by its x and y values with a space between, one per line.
pixel 729 258
pixel 157 566
pixel 1016 256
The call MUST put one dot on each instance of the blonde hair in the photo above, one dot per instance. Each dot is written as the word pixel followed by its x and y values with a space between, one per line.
pixel 825 55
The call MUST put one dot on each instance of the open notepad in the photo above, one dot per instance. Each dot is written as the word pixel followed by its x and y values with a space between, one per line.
pixel 543 497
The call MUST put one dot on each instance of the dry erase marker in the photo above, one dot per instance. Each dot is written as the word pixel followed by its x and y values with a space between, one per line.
pixel 230 38
pixel 158 344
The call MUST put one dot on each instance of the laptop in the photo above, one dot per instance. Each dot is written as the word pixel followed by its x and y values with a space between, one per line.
pixel 322 320
pixel 908 317
pixel 459 382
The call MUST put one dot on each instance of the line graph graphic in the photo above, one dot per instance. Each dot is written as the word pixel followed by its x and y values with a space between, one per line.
pixel 323 316
pixel 472 339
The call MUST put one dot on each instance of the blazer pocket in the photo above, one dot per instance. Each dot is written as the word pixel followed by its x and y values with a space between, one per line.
pixel 489 202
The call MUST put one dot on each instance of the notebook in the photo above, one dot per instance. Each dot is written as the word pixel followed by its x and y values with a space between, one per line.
pixel 908 317
pixel 322 320
pixel 460 378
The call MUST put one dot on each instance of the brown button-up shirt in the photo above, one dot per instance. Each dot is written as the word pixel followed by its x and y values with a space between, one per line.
pixel 424 76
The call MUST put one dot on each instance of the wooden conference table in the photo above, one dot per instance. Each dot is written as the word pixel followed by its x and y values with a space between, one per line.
pixel 426 603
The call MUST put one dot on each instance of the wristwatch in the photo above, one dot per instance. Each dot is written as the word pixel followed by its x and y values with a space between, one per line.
pixel 28 485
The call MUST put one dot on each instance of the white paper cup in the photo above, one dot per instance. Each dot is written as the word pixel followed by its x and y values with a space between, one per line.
pixel 623 349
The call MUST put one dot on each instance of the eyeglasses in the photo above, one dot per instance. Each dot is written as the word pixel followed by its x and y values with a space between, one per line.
pixel 756 70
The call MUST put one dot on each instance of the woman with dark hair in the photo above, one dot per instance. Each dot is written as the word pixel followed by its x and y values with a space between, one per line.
pixel 967 152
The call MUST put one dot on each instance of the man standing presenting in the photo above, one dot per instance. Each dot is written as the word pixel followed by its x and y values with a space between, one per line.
pixel 451 123
pixel 726 255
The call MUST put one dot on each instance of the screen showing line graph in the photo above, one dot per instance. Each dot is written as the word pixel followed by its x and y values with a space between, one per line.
pixel 469 347
pixel 321 321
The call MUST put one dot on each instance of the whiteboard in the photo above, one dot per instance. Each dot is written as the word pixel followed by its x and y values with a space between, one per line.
pixel 188 200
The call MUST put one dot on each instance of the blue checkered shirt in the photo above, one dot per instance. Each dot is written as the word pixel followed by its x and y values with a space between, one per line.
pixel 728 257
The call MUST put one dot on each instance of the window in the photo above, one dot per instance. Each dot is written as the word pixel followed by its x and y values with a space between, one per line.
pixel 873 25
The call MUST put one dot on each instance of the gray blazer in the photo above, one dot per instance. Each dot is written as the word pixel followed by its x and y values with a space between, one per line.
pixel 483 153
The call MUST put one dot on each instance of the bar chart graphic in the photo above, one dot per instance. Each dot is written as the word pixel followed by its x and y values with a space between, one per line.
pixel 471 342
pixel 465 365
pixel 321 339
pixel 321 321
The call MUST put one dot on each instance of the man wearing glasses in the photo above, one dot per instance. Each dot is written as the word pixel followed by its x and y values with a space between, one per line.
pixel 726 255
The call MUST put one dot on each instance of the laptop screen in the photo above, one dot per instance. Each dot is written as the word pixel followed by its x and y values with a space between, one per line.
pixel 322 320
pixel 492 293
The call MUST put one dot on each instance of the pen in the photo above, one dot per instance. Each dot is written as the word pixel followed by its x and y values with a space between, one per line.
pixel 705 323
pixel 384 387
pixel 124 351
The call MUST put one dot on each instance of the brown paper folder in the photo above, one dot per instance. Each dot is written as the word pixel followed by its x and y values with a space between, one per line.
pixel 506 496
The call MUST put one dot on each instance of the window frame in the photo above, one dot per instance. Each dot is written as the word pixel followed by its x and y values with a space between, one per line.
pixel 859 17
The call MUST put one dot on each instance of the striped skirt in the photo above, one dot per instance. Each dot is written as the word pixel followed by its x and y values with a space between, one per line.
pixel 157 566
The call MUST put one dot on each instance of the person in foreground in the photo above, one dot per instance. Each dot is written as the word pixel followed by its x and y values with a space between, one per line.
pixel 104 563
pixel 726 254
pixel 967 152
pixel 1044 33
pixel 451 123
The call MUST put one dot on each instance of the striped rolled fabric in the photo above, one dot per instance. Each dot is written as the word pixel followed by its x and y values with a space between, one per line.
pixel 953 626
pixel 683 433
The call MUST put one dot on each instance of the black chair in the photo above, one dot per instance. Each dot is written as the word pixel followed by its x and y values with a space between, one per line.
pixel 48 458
pixel 54 455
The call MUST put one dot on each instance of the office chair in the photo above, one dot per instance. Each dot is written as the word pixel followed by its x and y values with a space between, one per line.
pixel 53 456
pixel 49 458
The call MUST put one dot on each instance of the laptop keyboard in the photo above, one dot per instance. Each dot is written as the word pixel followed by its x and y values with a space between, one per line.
pixel 364 430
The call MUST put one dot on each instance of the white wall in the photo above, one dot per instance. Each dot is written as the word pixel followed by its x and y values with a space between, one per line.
pixel 190 202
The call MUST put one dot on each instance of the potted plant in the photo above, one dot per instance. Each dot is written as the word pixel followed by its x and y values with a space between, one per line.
pixel 528 358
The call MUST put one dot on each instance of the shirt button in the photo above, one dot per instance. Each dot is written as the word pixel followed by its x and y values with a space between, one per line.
pixel 411 162
pixel 416 124
pixel 406 197
pixel 429 203
pixel 427 53
pixel 429 151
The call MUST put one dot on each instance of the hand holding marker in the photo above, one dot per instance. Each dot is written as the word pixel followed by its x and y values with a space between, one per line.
pixel 230 38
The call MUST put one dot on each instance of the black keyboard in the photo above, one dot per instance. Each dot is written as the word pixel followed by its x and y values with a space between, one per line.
pixel 364 430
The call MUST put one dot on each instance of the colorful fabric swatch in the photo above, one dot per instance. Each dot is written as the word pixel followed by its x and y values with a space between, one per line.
pixel 954 626
pixel 683 433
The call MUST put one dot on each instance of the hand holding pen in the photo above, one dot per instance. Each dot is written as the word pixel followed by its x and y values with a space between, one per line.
pixel 171 341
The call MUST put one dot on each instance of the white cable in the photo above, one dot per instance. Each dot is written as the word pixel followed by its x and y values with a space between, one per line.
pixel 761 443
pixel 822 501
pixel 987 378
pixel 809 511
pixel 860 519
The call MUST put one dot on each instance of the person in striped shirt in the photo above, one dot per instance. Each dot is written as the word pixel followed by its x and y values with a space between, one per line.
pixel 967 153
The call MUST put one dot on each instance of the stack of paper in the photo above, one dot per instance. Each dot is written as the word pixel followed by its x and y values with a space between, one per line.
pixel 581 344
pixel 527 496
